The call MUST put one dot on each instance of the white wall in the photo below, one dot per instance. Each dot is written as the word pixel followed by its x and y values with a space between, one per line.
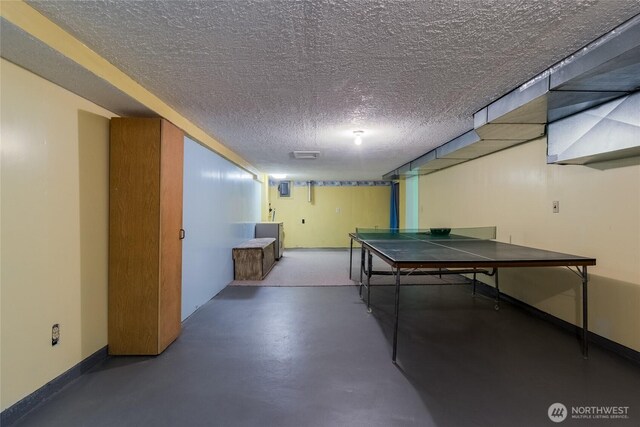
pixel 221 207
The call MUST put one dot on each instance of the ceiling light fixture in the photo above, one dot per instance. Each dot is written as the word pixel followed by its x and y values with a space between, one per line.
pixel 358 134
pixel 278 175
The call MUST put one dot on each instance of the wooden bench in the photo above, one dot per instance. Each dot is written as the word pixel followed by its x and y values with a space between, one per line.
pixel 253 259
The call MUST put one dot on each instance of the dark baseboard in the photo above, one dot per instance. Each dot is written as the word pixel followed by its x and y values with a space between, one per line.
pixel 619 349
pixel 22 407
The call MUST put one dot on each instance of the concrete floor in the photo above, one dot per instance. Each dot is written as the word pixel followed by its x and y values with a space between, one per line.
pixel 312 356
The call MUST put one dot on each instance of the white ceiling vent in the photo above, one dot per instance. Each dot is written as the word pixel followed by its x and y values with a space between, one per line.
pixel 307 155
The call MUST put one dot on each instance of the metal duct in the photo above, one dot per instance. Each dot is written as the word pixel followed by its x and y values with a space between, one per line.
pixel 587 137
pixel 605 73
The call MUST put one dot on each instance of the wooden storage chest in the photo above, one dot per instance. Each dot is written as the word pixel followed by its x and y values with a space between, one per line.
pixel 253 259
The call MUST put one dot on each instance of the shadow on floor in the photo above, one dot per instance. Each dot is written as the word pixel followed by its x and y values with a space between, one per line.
pixel 470 362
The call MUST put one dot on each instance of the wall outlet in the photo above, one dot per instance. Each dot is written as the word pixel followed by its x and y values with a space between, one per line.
pixel 303 220
pixel 55 334
pixel 556 206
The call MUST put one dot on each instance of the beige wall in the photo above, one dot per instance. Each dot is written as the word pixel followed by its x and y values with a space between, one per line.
pixel 599 217
pixel 93 173
pixel 332 215
pixel 53 232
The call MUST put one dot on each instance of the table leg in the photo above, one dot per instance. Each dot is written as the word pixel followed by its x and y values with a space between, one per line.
pixel 397 312
pixel 350 257
pixel 585 316
pixel 497 306
pixel 361 269
pixel 474 283
pixel 369 270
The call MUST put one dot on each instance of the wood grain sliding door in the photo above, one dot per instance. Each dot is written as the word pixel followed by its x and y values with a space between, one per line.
pixel 171 160
pixel 145 218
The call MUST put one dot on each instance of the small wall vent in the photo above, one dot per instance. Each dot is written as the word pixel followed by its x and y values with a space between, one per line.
pixel 306 155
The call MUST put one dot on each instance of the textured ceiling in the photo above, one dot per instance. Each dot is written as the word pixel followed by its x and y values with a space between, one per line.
pixel 269 77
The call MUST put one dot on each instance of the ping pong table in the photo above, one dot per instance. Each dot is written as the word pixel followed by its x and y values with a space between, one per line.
pixel 460 251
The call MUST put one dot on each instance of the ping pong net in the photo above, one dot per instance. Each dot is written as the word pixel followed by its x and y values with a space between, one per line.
pixel 426 234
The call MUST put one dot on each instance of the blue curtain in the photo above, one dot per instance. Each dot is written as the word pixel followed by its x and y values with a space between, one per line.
pixel 394 212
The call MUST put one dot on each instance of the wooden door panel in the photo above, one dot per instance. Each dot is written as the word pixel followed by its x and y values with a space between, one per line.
pixel 134 201
pixel 172 158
